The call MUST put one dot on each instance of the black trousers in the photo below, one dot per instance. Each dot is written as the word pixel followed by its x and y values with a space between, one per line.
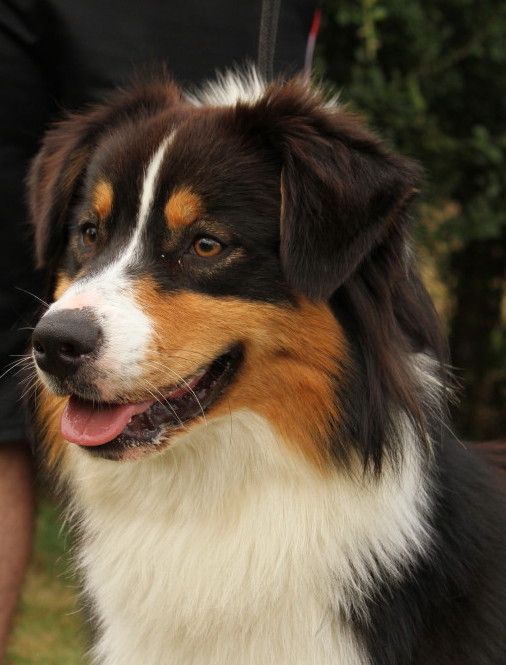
pixel 63 54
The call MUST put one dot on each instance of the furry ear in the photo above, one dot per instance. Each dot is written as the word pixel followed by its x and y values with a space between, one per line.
pixel 57 170
pixel 340 194
pixel 341 188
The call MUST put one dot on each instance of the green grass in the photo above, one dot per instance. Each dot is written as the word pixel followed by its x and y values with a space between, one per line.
pixel 48 627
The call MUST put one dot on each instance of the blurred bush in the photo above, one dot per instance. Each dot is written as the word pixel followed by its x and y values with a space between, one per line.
pixel 431 78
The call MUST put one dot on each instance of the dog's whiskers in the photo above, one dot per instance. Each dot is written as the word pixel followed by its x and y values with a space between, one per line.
pixel 183 381
pixel 21 363
pixel 163 401
pixel 46 304
pixel 30 382
pixel 30 389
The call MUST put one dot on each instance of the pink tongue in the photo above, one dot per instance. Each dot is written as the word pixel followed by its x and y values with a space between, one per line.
pixel 86 425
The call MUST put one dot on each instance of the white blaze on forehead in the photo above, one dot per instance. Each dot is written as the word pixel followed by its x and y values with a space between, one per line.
pixel 146 200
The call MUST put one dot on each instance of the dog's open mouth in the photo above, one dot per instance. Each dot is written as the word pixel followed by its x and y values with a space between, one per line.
pixel 109 430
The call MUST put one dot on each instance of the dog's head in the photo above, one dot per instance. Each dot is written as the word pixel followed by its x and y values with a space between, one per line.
pixel 194 246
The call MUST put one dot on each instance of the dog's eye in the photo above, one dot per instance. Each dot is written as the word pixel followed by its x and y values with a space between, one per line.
pixel 205 246
pixel 89 234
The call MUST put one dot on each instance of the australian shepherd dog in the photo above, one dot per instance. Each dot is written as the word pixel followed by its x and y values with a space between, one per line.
pixel 242 387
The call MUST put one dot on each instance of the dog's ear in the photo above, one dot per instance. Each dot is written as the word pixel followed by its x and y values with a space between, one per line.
pixel 58 168
pixel 341 189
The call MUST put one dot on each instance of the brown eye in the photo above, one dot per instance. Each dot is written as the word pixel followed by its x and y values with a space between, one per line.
pixel 205 246
pixel 89 234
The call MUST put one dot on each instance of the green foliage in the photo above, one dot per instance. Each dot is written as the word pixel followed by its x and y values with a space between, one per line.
pixel 431 77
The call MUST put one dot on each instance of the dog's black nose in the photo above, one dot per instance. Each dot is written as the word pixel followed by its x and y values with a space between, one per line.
pixel 63 340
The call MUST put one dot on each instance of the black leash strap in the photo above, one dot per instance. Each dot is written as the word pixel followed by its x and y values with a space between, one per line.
pixel 267 37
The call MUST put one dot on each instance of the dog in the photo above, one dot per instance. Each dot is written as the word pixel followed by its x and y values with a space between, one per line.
pixel 242 385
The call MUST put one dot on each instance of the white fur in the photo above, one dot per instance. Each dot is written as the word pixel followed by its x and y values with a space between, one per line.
pixel 239 86
pixel 229 88
pixel 228 549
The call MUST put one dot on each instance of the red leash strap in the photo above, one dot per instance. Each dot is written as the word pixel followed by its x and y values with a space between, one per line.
pixel 311 42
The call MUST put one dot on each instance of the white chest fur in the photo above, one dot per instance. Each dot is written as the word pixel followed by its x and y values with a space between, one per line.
pixel 229 550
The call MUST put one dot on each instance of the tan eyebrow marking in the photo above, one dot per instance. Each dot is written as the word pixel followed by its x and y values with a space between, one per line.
pixel 102 198
pixel 182 208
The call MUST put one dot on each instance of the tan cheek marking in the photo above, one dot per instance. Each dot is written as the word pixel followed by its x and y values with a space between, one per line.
pixel 62 284
pixel 182 208
pixel 49 410
pixel 102 199
pixel 292 358
pixel 292 385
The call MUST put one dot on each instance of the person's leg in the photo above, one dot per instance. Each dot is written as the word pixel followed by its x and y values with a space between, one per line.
pixel 16 517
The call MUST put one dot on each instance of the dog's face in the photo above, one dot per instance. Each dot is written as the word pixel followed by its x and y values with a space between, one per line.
pixel 193 251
